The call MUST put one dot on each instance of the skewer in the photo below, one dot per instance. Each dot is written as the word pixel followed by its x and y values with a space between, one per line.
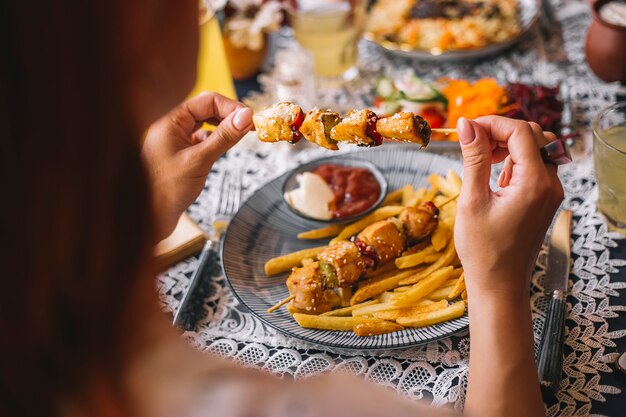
pixel 444 130
pixel 280 304
pixel 449 200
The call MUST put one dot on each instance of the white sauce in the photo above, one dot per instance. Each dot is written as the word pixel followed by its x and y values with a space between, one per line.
pixel 614 13
pixel 312 197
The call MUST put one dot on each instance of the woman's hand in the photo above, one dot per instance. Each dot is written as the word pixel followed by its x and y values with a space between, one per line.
pixel 179 155
pixel 500 233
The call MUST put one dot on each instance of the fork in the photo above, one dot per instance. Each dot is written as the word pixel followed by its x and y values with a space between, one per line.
pixel 188 312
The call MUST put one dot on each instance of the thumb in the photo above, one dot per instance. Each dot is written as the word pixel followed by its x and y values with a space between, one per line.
pixel 476 149
pixel 227 133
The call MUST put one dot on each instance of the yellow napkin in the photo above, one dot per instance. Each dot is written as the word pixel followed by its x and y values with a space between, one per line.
pixel 213 71
pixel 213 75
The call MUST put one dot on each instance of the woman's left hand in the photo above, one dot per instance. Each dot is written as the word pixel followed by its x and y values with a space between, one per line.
pixel 179 154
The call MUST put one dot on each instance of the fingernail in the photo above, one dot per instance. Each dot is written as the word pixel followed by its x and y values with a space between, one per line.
pixel 466 131
pixel 502 179
pixel 242 118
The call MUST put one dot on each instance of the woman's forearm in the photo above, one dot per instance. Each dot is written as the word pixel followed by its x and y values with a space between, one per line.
pixel 503 377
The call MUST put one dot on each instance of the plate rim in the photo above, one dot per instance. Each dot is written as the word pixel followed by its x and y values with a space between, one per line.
pixel 464 327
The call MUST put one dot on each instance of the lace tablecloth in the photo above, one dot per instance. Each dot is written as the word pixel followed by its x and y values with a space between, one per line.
pixel 437 371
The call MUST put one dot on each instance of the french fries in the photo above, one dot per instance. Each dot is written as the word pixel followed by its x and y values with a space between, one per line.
pixel 423 287
pixel 372 328
pixel 324 232
pixel 454 311
pixel 285 262
pixel 413 291
pixel 329 322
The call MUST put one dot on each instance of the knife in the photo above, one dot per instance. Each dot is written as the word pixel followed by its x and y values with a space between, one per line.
pixel 550 357
pixel 191 305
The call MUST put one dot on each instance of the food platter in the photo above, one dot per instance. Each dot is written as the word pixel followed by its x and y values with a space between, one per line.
pixel 529 11
pixel 265 227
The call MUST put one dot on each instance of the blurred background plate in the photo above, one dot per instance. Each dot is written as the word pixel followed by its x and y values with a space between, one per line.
pixel 265 228
pixel 529 11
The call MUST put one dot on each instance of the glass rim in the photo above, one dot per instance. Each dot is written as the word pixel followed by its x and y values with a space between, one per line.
pixel 596 121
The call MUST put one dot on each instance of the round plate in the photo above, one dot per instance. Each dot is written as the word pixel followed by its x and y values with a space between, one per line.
pixel 291 183
pixel 264 227
pixel 528 15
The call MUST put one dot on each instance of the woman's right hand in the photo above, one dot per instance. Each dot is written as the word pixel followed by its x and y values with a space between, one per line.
pixel 499 234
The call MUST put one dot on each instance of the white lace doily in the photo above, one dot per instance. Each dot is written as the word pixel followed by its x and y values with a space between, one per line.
pixel 438 371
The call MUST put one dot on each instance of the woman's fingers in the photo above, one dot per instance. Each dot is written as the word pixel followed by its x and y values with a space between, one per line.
pixel 507 173
pixel 518 136
pixel 476 149
pixel 207 106
pixel 227 134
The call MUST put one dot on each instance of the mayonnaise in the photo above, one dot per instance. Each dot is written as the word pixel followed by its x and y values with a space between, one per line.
pixel 312 197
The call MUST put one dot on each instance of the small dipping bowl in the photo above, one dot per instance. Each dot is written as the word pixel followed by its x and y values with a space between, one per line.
pixel 291 183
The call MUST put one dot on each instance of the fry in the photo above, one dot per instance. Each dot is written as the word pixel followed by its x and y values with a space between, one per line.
pixel 307 261
pixel 376 327
pixel 371 309
pixel 453 179
pixel 441 293
pixel 324 232
pixel 417 258
pixel 372 288
pixel 286 262
pixel 385 269
pixel 408 311
pixel 430 194
pixel 458 288
pixel 446 257
pixel 393 197
pixel 387 296
pixel 441 184
pixel 441 235
pixel 404 288
pixel 378 214
pixel 347 311
pixel 329 322
pixel 408 192
pixel 424 287
pixel 433 317
pixel 464 295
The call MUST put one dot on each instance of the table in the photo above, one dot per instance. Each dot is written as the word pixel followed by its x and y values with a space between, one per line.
pixel 438 371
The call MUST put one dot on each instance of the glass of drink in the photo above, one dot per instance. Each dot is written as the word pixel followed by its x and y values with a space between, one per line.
pixel 609 156
pixel 330 30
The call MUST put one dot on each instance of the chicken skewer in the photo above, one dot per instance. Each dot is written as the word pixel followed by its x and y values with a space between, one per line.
pixel 287 122
pixel 342 264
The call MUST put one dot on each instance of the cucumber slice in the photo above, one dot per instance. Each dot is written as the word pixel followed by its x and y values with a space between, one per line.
pixel 385 88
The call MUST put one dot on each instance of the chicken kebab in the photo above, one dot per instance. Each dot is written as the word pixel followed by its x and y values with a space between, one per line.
pixel 341 265
pixel 287 122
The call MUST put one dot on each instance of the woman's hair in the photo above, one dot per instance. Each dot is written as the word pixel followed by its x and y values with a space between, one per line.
pixel 75 213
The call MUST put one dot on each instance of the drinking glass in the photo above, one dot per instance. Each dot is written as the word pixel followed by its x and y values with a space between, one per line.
pixel 609 157
pixel 330 30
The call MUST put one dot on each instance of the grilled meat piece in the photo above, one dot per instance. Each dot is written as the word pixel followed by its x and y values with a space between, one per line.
pixel 419 222
pixel 345 259
pixel 279 122
pixel 405 127
pixel 358 127
pixel 317 126
pixel 386 238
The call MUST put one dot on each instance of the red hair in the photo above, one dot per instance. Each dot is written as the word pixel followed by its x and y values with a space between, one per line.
pixel 75 219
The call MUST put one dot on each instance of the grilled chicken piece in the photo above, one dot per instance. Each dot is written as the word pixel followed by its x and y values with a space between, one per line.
pixel 419 222
pixel 346 262
pixel 307 284
pixel 405 127
pixel 317 126
pixel 386 238
pixel 359 128
pixel 279 122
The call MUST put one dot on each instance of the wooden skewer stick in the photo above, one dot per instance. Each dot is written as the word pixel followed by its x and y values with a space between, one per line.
pixel 449 200
pixel 445 130
pixel 280 304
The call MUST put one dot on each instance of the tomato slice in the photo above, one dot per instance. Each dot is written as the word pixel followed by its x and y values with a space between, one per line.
pixel 433 117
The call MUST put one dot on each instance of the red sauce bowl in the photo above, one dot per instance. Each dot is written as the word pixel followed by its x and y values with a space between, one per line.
pixel 356 177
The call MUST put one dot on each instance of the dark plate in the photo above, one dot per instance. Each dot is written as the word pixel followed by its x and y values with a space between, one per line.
pixel 265 228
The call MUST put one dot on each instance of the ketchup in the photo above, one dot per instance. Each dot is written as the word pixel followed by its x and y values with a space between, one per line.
pixel 356 189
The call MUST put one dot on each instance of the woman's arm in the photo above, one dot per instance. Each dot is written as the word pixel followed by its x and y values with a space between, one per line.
pixel 179 154
pixel 499 235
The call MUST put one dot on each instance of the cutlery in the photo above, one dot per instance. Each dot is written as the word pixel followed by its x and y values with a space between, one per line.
pixel 550 357
pixel 190 310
